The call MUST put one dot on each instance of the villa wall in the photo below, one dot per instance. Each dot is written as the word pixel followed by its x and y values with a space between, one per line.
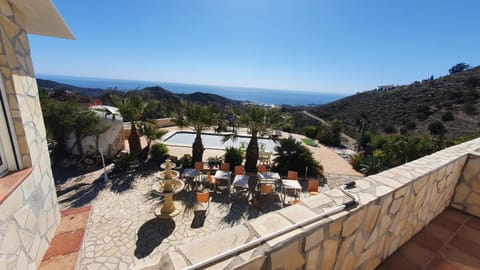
pixel 467 193
pixel 394 206
pixel 29 214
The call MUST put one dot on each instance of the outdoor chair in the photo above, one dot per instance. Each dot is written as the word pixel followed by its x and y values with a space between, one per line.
pixel 203 201
pixel 262 168
pixel 266 189
pixel 292 175
pixel 200 210
pixel 225 166
pixel 199 166
pixel 239 170
pixel 312 187
pixel 211 181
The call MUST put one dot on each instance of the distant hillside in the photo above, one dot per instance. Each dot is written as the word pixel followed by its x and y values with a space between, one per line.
pixel 52 85
pixel 452 99
pixel 60 92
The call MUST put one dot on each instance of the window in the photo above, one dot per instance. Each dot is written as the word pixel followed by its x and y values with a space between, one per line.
pixel 7 154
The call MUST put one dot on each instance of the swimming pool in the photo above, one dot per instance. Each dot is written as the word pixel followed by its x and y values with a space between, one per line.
pixel 211 140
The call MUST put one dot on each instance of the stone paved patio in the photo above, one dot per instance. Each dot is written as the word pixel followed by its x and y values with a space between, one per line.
pixel 124 233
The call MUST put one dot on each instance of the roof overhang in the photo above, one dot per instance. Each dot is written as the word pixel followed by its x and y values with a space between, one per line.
pixel 41 17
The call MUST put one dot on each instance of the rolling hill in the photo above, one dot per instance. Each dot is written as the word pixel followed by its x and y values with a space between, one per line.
pixel 453 100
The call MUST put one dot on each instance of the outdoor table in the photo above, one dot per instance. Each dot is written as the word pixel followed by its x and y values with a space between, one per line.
pixel 268 178
pixel 192 174
pixel 240 181
pixel 223 175
pixel 290 184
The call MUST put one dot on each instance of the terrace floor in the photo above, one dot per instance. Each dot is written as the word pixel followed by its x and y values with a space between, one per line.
pixel 123 232
pixel 450 241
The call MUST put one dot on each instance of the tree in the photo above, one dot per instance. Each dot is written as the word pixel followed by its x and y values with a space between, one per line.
pixel 87 123
pixel 152 133
pixel 259 120
pixel 62 118
pixel 292 155
pixel 329 134
pixel 458 68
pixel 199 118
pixel 133 109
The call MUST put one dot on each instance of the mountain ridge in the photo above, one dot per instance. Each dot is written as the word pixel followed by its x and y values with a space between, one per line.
pixel 419 104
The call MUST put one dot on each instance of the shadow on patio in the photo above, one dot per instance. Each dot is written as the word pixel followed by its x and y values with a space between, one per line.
pixel 151 234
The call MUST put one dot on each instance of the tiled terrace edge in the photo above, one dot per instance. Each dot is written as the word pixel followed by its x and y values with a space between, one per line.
pixel 394 206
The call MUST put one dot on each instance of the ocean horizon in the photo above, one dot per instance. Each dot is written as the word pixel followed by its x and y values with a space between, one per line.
pixel 256 95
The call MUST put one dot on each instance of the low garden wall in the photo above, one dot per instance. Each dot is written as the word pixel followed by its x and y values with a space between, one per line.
pixel 394 206
pixel 467 194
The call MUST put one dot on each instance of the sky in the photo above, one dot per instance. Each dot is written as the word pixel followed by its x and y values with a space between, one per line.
pixel 335 46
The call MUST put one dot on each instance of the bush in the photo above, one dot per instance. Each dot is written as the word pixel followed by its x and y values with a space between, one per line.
pixel 411 125
pixel 214 162
pixel 158 151
pixel 330 134
pixel 389 128
pixel 311 132
pixel 470 109
pixel 423 112
pixel 447 116
pixel 233 156
pixel 186 161
pixel 437 128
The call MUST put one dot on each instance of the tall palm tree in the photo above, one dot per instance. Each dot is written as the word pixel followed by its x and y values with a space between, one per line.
pixel 199 118
pixel 259 120
pixel 133 109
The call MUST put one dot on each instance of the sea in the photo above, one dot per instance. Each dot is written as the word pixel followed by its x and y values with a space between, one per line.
pixel 255 95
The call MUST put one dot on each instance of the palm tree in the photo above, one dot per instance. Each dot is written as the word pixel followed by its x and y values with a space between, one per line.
pixel 133 109
pixel 293 155
pixel 199 118
pixel 259 120
pixel 152 133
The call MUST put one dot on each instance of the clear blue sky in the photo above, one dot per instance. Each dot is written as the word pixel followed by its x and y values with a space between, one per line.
pixel 325 46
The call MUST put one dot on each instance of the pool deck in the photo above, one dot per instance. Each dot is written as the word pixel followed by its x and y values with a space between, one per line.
pixel 331 161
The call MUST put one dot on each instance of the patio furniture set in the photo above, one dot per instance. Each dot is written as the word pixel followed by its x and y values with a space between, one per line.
pixel 195 179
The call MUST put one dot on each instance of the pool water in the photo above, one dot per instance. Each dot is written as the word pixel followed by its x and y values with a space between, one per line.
pixel 215 140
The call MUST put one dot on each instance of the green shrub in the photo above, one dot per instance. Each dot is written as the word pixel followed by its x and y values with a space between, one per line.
pixel 330 134
pixel 311 131
pixel 411 125
pixel 470 109
pixel 233 156
pixel 447 116
pixel 214 162
pixel 186 161
pixel 158 151
pixel 389 128
pixel 437 128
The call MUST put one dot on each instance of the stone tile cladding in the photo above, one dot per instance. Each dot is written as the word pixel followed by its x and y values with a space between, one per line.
pixel 467 194
pixel 394 206
pixel 30 215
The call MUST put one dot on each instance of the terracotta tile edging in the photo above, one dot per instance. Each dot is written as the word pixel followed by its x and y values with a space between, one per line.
pixel 11 181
